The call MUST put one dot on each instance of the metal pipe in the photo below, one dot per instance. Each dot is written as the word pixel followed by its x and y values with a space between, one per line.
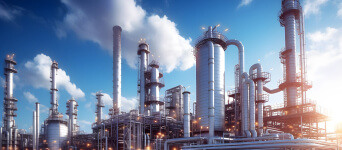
pixel 211 85
pixel 244 103
pixel 34 128
pixel 266 89
pixel 37 125
pixel 182 140
pixel 116 69
pixel 240 47
pixel 251 107
pixel 186 97
pixel 260 102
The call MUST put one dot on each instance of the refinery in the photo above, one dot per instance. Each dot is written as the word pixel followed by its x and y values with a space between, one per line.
pixel 163 121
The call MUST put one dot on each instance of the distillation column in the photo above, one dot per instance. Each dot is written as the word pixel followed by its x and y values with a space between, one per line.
pixel 290 9
pixel 116 69
pixel 155 84
pixel 99 106
pixel 54 101
pixel 10 105
pixel 72 113
pixel 143 51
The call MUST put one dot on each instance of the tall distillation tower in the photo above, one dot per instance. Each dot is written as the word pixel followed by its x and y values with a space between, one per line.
pixel 56 129
pixel 10 106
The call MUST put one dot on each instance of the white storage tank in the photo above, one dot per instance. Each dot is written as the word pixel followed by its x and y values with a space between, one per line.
pixel 202 79
pixel 57 133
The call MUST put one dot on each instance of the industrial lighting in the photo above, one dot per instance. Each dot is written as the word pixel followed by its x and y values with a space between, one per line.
pixel 226 30
pixel 218 25
pixel 203 28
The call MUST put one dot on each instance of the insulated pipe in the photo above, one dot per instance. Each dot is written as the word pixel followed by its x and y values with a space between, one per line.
pixel 143 51
pixel 271 91
pixel 260 85
pixel 211 68
pixel 34 128
pixel 240 47
pixel 37 126
pixel 116 69
pixel 251 107
pixel 54 101
pixel 186 97
pixel 182 140
pixel 244 103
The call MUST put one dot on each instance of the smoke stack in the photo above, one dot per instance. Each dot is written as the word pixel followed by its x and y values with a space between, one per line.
pixel 34 142
pixel 37 126
pixel 116 69
pixel 186 97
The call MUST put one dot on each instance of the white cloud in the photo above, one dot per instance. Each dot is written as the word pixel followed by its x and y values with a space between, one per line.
pixel 244 3
pixel 30 97
pixel 324 59
pixel 339 11
pixel 313 6
pixel 37 74
pixel 8 13
pixel 127 104
pixel 88 105
pixel 94 21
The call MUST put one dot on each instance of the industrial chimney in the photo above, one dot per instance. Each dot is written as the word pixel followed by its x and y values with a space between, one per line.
pixel 116 69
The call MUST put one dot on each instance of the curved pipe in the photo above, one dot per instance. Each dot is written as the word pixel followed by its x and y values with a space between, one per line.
pixel 240 47
pixel 260 85
pixel 271 91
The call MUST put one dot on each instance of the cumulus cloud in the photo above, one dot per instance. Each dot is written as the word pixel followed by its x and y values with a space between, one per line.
pixel 313 6
pixel 93 21
pixel 9 13
pixel 339 11
pixel 127 104
pixel 324 58
pixel 37 74
pixel 30 97
pixel 244 3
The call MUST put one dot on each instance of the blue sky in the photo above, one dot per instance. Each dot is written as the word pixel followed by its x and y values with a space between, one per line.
pixel 77 35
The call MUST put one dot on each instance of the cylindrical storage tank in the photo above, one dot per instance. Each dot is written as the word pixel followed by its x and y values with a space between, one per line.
pixel 57 132
pixel 202 79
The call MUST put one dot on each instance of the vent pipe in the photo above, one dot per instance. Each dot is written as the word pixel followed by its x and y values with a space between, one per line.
pixel 143 51
pixel 211 86
pixel 37 126
pixel 99 106
pixel 116 69
pixel 34 128
pixel 186 97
